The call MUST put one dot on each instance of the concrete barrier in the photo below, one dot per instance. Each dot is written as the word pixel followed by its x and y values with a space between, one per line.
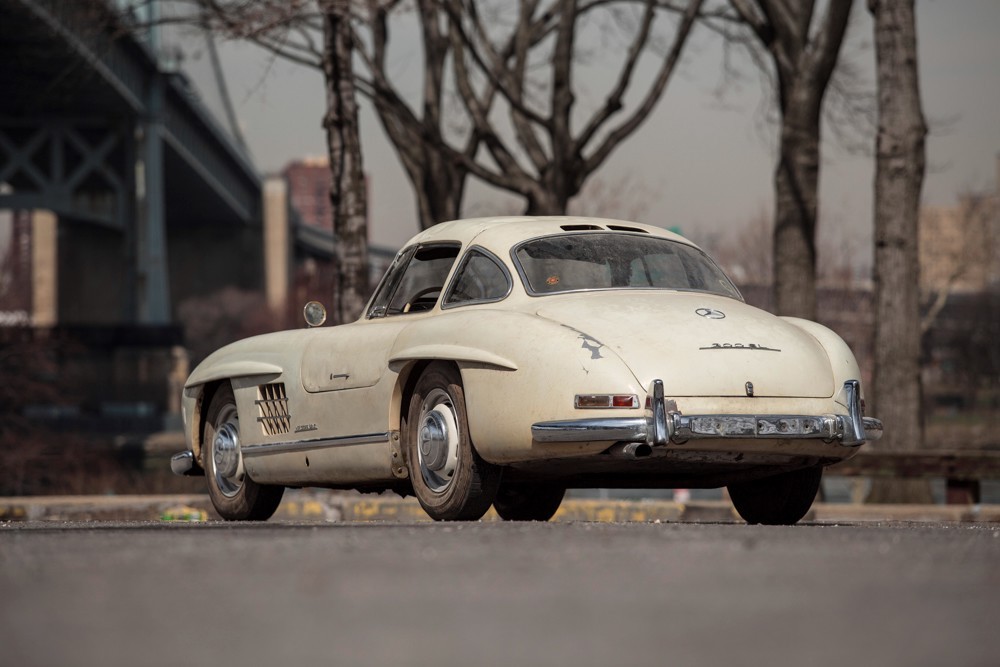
pixel 332 506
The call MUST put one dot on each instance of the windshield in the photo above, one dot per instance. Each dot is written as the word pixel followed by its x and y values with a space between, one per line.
pixel 617 261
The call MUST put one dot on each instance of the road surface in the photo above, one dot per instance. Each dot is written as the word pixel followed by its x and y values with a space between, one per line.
pixel 498 594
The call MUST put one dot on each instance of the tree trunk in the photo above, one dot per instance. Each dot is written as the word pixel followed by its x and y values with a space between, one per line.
pixel 899 174
pixel 804 52
pixel 443 186
pixel 348 192
pixel 796 183
pixel 547 202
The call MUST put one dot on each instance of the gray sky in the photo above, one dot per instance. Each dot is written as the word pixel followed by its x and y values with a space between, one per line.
pixel 704 162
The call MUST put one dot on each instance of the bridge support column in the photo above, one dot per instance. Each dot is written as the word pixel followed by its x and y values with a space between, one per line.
pixel 277 246
pixel 44 269
pixel 151 252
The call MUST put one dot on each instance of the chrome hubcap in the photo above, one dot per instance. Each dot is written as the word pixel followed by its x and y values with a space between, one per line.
pixel 437 441
pixel 225 451
pixel 226 458
pixel 434 441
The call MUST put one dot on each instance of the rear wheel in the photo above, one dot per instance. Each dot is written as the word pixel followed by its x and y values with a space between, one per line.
pixel 515 502
pixel 450 479
pixel 235 496
pixel 779 500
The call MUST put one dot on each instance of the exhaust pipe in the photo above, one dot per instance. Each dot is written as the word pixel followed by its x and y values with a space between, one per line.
pixel 632 450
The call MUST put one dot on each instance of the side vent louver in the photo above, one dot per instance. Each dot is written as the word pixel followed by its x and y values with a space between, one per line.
pixel 272 404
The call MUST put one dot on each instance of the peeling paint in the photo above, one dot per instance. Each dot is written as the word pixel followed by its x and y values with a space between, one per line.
pixel 589 343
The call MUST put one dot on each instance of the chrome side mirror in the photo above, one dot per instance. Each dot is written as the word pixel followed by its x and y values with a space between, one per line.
pixel 314 313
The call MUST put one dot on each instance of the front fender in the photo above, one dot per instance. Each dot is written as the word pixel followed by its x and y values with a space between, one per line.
pixel 269 354
pixel 230 369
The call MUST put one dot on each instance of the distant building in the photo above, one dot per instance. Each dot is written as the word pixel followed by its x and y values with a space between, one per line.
pixel 960 245
pixel 309 190
pixel 305 183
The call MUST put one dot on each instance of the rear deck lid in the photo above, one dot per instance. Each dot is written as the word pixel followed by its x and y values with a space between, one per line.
pixel 698 344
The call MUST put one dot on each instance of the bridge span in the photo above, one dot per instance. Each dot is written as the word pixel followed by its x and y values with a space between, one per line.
pixel 134 201
pixel 115 152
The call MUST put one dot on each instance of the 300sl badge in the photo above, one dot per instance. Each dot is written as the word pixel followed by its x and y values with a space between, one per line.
pixel 302 428
pixel 739 346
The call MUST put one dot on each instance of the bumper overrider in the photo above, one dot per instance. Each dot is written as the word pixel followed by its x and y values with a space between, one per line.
pixel 661 427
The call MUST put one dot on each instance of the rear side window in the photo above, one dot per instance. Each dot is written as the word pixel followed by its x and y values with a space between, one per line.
pixel 481 278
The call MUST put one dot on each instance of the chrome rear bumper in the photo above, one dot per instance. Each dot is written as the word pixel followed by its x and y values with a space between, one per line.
pixel 662 427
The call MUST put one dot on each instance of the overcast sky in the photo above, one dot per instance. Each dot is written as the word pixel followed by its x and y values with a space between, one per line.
pixel 703 161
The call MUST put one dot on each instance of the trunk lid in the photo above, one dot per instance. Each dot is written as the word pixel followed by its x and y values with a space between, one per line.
pixel 698 344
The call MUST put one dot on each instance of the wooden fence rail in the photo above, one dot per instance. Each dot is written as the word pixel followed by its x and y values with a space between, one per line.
pixel 962 470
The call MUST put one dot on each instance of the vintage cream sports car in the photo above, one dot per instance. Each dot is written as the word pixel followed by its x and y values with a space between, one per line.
pixel 502 361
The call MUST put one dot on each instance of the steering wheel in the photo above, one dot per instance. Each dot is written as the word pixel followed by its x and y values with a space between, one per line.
pixel 415 299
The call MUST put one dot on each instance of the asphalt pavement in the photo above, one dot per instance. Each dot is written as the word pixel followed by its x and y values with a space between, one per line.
pixel 491 593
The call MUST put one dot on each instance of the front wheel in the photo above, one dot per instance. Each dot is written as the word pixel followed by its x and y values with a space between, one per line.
pixel 235 496
pixel 450 479
pixel 778 500
pixel 527 503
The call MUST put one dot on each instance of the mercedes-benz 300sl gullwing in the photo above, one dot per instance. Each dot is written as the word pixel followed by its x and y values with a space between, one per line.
pixel 502 361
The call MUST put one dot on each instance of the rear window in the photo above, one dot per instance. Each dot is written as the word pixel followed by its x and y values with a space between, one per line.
pixel 573 262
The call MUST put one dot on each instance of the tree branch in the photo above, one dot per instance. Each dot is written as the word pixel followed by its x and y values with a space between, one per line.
pixel 654 94
pixel 613 102
pixel 821 57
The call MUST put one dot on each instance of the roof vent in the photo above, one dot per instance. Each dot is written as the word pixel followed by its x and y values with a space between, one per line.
pixel 579 228
pixel 623 228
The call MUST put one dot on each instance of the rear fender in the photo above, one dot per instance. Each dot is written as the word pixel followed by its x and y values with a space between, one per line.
pixel 517 369
pixel 842 362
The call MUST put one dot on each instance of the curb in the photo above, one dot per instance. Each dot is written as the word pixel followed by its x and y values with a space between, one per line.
pixel 333 507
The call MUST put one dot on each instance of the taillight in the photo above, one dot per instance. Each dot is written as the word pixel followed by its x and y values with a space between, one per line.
pixel 595 401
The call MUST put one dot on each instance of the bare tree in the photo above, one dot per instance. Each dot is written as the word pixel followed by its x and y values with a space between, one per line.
pixel 746 251
pixel 899 175
pixel 626 196
pixel 547 162
pixel 416 133
pixel 348 193
pixel 521 81
pixel 803 50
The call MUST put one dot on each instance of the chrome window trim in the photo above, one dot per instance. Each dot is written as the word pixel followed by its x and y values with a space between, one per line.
pixel 458 269
pixel 411 251
pixel 530 292
pixel 395 270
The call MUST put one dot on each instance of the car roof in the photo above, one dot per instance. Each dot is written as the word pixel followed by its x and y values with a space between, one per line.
pixel 501 233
